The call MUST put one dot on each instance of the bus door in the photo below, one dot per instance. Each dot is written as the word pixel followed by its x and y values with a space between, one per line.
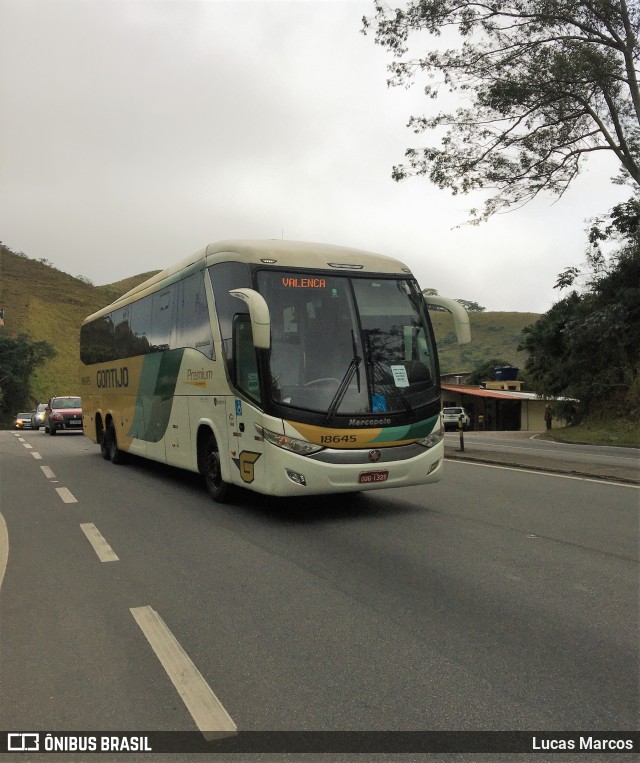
pixel 243 413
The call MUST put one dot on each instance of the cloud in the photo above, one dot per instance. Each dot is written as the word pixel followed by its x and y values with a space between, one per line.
pixel 133 133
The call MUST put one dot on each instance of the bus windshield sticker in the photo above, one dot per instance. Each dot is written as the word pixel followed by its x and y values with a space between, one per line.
pixel 400 376
pixel 252 383
pixel 238 407
pixel 378 403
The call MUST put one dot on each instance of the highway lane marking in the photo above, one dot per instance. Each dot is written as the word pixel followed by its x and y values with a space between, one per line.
pixel 66 495
pixel 37 456
pixel 536 450
pixel 205 708
pixel 26 445
pixel 48 473
pixel 546 474
pixel 98 541
pixel 4 547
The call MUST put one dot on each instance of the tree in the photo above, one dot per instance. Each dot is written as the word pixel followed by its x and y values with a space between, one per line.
pixel 19 357
pixel 471 307
pixel 546 83
pixel 586 347
pixel 486 371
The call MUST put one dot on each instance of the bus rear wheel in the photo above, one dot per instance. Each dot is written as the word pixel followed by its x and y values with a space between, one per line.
pixel 116 456
pixel 104 450
pixel 218 489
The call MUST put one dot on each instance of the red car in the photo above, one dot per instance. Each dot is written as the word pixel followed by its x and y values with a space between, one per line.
pixel 63 413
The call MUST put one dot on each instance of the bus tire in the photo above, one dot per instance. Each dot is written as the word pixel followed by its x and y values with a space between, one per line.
pixel 104 450
pixel 218 489
pixel 116 456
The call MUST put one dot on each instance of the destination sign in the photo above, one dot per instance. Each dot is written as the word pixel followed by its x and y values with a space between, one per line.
pixel 295 282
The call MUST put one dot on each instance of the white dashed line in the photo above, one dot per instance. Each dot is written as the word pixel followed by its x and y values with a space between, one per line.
pixel 37 456
pixel 66 495
pixel 100 546
pixel 205 708
pixel 48 473
pixel 26 445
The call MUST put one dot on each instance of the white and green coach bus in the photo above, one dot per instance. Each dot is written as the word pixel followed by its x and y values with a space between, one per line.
pixel 287 368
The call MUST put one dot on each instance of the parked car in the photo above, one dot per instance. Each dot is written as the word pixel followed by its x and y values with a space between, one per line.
pixel 451 417
pixel 63 413
pixel 37 416
pixel 23 421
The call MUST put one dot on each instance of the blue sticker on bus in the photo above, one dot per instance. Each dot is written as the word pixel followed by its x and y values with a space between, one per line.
pixel 378 403
pixel 238 407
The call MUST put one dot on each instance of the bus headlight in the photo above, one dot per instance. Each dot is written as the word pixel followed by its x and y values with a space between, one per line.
pixel 434 438
pixel 301 447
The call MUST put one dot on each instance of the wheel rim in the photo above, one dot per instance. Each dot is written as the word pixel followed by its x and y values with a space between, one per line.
pixel 213 470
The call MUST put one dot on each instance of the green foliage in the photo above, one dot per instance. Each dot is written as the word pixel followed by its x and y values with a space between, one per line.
pixel 48 305
pixel 19 358
pixel 544 82
pixel 486 371
pixel 493 335
pixel 586 346
pixel 471 307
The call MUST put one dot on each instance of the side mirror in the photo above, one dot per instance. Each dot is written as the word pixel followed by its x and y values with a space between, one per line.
pixel 460 315
pixel 259 314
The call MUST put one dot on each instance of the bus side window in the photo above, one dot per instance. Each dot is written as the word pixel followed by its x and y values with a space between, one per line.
pixel 245 360
pixel 194 325
pixel 122 332
pixel 163 331
pixel 140 325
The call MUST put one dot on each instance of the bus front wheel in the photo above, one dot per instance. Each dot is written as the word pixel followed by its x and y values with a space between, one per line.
pixel 218 489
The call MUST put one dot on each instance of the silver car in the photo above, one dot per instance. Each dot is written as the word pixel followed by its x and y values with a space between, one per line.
pixel 451 417
pixel 37 417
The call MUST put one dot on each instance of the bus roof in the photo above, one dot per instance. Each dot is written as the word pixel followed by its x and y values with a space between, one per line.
pixel 291 254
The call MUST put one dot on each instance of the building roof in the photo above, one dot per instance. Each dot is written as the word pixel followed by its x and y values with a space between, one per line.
pixel 480 392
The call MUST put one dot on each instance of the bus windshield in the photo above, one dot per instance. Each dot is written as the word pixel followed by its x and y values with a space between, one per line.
pixel 348 345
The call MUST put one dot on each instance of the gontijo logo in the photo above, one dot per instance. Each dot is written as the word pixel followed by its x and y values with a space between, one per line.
pixel 112 377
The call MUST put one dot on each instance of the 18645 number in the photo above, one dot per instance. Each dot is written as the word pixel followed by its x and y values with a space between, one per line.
pixel 336 439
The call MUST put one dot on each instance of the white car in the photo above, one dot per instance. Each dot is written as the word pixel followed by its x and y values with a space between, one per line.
pixel 451 417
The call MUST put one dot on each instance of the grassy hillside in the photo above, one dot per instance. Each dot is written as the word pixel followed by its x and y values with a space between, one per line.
pixel 49 305
pixel 493 335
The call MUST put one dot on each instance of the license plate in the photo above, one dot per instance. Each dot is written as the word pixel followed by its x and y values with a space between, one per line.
pixel 367 477
pixel 75 423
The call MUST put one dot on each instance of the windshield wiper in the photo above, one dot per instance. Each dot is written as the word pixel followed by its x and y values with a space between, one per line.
pixel 342 389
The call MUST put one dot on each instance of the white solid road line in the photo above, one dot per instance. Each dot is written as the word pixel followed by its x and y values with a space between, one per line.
pixel 541 472
pixel 4 547
pixel 100 546
pixel 66 495
pixel 48 473
pixel 205 708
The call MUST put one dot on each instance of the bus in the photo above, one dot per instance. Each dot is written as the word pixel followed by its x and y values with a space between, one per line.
pixel 288 368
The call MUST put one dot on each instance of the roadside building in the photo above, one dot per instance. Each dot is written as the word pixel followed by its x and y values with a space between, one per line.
pixel 500 408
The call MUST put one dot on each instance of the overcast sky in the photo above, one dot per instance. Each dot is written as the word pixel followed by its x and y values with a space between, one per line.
pixel 134 132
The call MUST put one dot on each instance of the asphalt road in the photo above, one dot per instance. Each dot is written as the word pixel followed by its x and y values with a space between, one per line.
pixel 526 450
pixel 497 599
